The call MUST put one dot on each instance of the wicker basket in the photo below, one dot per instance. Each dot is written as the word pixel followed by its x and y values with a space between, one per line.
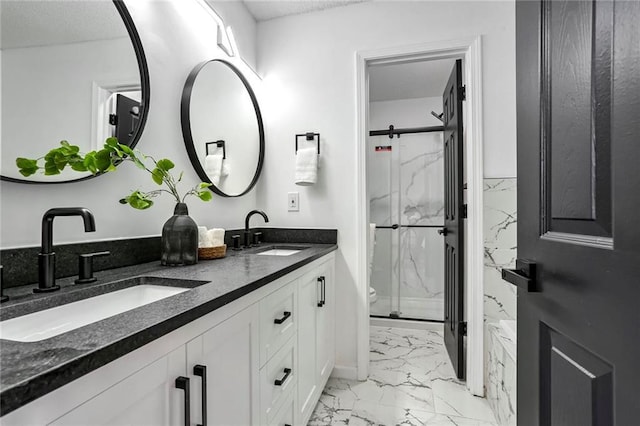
pixel 212 252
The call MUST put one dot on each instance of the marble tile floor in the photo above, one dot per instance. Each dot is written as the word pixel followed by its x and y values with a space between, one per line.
pixel 411 382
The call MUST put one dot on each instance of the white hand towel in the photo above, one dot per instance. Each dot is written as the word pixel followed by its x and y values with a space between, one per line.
pixel 217 237
pixel 203 238
pixel 213 167
pixel 226 168
pixel 306 166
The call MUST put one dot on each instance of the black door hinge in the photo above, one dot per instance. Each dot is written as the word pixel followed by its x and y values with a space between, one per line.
pixel 462 93
pixel 464 211
pixel 463 328
pixel 113 119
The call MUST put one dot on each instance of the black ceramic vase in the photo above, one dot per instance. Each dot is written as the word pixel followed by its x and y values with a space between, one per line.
pixel 179 239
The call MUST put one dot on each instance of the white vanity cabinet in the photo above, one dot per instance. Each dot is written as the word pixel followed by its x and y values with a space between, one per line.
pixel 261 359
pixel 147 397
pixel 316 336
pixel 227 357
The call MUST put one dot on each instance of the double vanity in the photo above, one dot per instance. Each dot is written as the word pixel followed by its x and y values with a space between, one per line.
pixel 243 340
pixel 248 339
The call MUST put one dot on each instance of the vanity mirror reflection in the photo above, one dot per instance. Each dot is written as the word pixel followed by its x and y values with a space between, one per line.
pixel 222 128
pixel 70 70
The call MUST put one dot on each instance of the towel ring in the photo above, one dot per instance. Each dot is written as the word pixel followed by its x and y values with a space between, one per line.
pixel 309 136
pixel 219 144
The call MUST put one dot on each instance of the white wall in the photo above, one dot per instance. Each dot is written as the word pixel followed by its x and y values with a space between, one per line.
pixel 176 36
pixel 308 63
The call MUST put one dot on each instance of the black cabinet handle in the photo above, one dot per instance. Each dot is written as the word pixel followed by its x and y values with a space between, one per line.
pixel 322 281
pixel 183 383
pixel 324 291
pixel 319 279
pixel 286 315
pixel 524 276
pixel 279 382
pixel 201 371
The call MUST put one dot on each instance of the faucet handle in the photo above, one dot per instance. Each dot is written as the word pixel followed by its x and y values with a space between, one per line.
pixel 236 242
pixel 257 238
pixel 3 298
pixel 85 267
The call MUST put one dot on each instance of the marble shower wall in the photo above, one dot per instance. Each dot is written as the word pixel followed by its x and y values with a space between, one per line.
pixel 406 187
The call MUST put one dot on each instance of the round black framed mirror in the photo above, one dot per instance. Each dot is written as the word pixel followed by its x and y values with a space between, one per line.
pixel 72 71
pixel 222 128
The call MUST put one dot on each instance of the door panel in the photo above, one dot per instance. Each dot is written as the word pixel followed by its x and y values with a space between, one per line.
pixel 578 390
pixel 578 112
pixel 575 98
pixel 128 113
pixel 453 225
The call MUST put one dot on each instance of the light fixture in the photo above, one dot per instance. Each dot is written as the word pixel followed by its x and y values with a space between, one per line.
pixel 223 39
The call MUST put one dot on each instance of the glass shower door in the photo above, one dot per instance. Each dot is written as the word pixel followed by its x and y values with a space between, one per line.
pixel 407 203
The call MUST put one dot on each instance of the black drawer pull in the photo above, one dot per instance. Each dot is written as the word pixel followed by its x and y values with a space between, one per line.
pixel 201 370
pixel 183 383
pixel 285 315
pixel 279 382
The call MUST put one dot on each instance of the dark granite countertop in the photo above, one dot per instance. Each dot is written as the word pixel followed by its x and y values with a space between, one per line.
pixel 31 370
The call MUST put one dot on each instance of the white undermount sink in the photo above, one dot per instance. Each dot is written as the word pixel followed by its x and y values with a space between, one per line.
pixel 54 321
pixel 279 252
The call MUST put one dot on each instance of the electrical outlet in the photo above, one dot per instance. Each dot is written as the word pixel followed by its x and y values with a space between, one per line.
pixel 292 201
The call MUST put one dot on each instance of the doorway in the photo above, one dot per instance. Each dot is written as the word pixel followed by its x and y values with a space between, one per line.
pixel 405 179
pixel 469 51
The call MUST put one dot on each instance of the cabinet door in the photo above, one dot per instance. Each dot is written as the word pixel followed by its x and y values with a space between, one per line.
pixel 148 397
pixel 325 326
pixel 308 298
pixel 229 351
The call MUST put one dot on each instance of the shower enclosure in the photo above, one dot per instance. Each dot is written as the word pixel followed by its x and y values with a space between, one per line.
pixel 406 202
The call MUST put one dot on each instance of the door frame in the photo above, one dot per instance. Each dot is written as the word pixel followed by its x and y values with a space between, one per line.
pixel 468 49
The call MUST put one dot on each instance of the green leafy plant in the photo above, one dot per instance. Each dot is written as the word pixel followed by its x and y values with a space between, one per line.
pixel 106 160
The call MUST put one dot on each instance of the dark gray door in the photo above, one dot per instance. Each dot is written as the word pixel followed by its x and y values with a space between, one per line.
pixel 578 108
pixel 128 117
pixel 453 216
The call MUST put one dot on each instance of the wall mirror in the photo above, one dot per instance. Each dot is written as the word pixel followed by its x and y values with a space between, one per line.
pixel 70 70
pixel 222 128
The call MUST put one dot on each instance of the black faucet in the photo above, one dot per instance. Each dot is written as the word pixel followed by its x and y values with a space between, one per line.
pixel 47 258
pixel 247 233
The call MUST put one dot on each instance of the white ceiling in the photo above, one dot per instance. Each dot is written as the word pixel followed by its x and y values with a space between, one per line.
pixel 48 22
pixel 410 80
pixel 263 10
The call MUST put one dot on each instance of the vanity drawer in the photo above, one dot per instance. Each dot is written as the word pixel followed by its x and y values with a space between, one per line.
pixel 277 381
pixel 286 414
pixel 278 320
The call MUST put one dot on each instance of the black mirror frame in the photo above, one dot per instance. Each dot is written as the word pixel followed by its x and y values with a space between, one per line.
pixel 145 86
pixel 185 118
